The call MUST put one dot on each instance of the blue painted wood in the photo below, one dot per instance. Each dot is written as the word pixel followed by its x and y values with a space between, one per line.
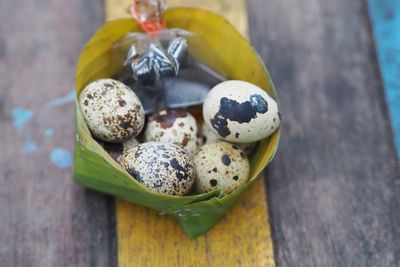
pixel 385 21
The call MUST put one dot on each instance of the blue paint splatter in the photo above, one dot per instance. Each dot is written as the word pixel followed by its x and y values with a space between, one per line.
pixel 29 148
pixel 70 97
pixel 385 18
pixel 48 132
pixel 21 117
pixel 61 157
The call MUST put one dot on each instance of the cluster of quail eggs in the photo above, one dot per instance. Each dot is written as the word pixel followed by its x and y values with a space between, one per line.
pixel 170 151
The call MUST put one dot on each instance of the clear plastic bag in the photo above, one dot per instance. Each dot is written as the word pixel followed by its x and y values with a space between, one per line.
pixel 158 64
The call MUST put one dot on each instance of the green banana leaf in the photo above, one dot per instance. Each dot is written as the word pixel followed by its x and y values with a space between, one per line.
pixel 217 44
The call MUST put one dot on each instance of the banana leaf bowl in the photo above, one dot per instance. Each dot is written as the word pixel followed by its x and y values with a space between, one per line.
pixel 224 50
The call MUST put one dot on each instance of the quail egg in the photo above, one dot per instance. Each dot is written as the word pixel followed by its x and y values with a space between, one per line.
pixel 209 136
pixel 131 143
pixel 112 110
pixel 175 127
pixel 248 148
pixel 220 165
pixel 240 112
pixel 117 149
pixel 161 167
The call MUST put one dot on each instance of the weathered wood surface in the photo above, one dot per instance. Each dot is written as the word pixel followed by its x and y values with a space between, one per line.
pixel 147 234
pixel 333 188
pixel 385 24
pixel 46 219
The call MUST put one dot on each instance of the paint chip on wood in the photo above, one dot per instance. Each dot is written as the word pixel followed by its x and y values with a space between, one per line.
pixel 61 157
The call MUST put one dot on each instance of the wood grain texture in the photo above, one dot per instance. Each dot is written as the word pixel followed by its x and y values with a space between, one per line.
pixel 241 238
pixel 46 219
pixel 385 22
pixel 334 186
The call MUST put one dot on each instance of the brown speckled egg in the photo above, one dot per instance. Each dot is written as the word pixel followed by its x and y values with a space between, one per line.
pixel 199 140
pixel 161 167
pixel 220 165
pixel 112 110
pixel 248 148
pixel 174 127
pixel 116 149
pixel 240 112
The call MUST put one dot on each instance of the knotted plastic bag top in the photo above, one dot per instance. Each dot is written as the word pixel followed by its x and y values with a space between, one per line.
pixel 158 65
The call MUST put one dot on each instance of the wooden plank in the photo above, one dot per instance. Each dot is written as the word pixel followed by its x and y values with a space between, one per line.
pixel 333 187
pixel 242 238
pixel 385 20
pixel 46 219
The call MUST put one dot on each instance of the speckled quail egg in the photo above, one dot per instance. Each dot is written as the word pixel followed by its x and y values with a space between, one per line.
pixel 248 148
pixel 220 165
pixel 131 143
pixel 116 149
pixel 173 126
pixel 161 167
pixel 240 112
pixel 112 110
pixel 199 140
pixel 209 136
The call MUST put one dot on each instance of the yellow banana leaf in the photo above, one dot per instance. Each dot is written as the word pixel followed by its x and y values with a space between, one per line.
pixel 224 50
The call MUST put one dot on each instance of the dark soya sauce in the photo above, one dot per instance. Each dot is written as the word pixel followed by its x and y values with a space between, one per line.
pixel 187 89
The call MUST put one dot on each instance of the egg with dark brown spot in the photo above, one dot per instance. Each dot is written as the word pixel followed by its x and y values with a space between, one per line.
pixel 175 127
pixel 240 112
pixel 208 136
pixel 161 167
pixel 220 165
pixel 117 149
pixel 112 111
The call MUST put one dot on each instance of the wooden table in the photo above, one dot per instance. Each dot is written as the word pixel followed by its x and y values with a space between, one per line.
pixel 332 191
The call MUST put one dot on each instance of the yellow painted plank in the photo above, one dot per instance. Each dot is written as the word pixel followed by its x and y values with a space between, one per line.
pixel 241 238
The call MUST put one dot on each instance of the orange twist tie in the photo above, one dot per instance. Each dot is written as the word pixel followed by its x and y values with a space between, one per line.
pixel 149 13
